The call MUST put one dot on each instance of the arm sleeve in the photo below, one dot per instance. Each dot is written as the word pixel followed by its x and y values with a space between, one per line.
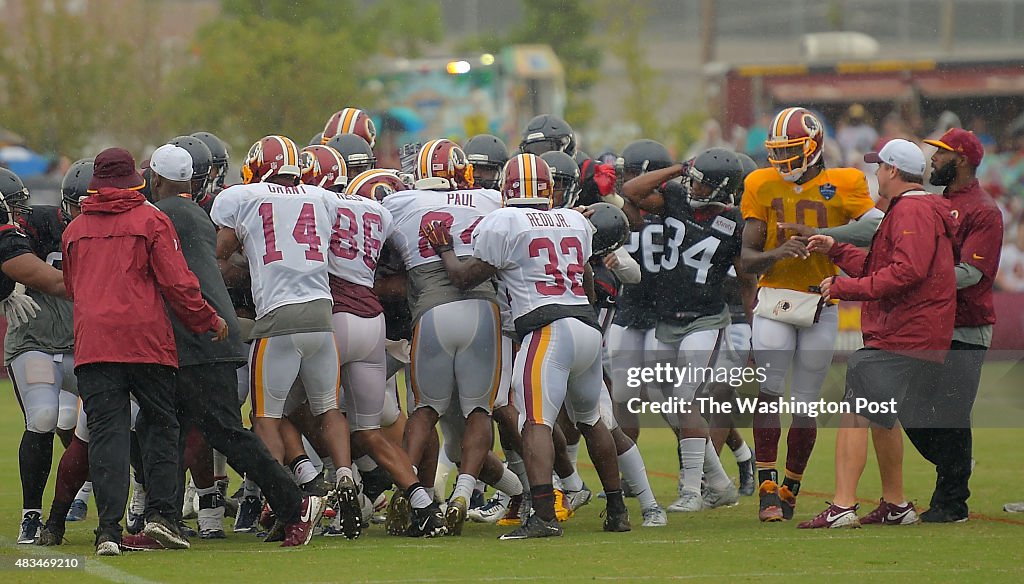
pixel 858 232
pixel 913 246
pixel 966 275
pixel 179 286
pixel 628 271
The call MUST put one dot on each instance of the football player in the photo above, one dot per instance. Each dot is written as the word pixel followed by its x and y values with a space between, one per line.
pixel 542 255
pixel 456 335
pixel 285 230
pixel 702 242
pixel 793 329
pixel 488 155
pixel 350 120
pixel 39 350
pixel 356 151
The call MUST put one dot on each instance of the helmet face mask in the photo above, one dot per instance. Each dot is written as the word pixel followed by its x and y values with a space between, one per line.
pixel 794 144
pixel 488 154
pixel 713 178
pixel 74 187
pixel 565 174
pixel 219 161
pixel 14 196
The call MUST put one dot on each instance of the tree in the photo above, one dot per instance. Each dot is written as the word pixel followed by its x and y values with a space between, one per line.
pixel 648 94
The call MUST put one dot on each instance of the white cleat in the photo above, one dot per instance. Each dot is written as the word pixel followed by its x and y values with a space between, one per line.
pixel 688 502
pixel 492 511
pixel 576 499
pixel 727 497
pixel 190 508
pixel 655 517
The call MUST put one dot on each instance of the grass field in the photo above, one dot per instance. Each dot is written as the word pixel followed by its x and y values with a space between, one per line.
pixel 725 545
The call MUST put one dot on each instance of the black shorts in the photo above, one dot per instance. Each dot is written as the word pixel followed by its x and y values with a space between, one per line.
pixel 877 382
pixel 945 397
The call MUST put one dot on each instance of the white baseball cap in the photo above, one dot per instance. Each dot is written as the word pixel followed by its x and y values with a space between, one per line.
pixel 172 162
pixel 900 153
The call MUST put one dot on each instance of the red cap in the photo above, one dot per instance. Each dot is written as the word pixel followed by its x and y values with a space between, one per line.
pixel 962 142
pixel 115 167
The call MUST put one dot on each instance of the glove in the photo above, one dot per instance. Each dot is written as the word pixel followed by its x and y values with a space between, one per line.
pixel 437 235
pixel 19 308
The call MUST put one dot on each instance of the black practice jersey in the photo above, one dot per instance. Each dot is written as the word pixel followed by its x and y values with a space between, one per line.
pixel 699 248
pixel 44 227
pixel 635 302
pixel 13 243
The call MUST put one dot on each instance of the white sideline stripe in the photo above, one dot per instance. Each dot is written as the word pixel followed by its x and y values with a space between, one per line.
pixel 93 565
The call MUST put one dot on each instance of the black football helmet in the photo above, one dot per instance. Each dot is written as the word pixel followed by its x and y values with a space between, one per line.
pixel 642 156
pixel 488 155
pixel 715 177
pixel 566 175
pixel 220 158
pixel 545 133
pixel 356 151
pixel 612 228
pixel 75 186
pixel 316 140
pixel 580 157
pixel 13 196
pixel 749 166
pixel 202 161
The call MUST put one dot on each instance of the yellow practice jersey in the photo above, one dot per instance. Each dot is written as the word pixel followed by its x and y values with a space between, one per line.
pixel 833 198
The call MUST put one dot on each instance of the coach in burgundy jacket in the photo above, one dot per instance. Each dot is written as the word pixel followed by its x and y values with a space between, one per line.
pixel 121 260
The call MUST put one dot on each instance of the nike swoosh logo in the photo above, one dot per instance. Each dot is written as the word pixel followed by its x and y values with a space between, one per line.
pixel 905 232
pixel 896 516
pixel 977 257
pixel 830 518
pixel 307 515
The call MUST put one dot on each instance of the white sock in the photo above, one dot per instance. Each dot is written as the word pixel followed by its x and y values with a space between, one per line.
pixel 365 463
pixel 509 484
pixel 249 488
pixel 742 453
pixel 464 486
pixel 343 472
pixel 693 462
pixel 304 471
pixel 717 479
pixel 420 498
pixel 330 473
pixel 572 482
pixel 430 491
pixel 84 492
pixel 573 450
pixel 220 465
pixel 480 486
pixel 631 463
pixel 516 465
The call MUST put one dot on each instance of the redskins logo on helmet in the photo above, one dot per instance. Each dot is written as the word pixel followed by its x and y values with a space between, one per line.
pixel 271 156
pixel 350 121
pixel 323 167
pixel 527 182
pixel 794 143
pixel 376 183
pixel 444 159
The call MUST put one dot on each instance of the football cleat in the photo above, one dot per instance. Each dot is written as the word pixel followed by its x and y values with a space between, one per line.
pixel 78 511
pixel 139 542
pixel 166 533
pixel 248 515
pixel 727 497
pixel 31 524
pixel 562 510
pixel 833 517
pixel 688 502
pixel 513 515
pixel 1014 507
pixel 616 521
pixel 186 531
pixel 136 511
pixel 380 505
pixel 299 532
pixel 455 515
pixel 788 502
pixel 944 515
pixel 491 511
pixel 108 547
pixel 50 536
pixel 427 522
pixel 348 507
pixel 534 527
pixel 748 483
pixel 190 508
pixel 654 517
pixel 576 499
pixel 889 514
pixel 267 517
pixel 399 515
pixel 375 482
pixel 477 499
pixel 211 523
pixel 770 506
pixel 275 532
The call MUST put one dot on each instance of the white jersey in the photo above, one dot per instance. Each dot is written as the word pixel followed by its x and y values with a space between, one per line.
pixel 360 230
pixel 541 255
pixel 285 232
pixel 459 210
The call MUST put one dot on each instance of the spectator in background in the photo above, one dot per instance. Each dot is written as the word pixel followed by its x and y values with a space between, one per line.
pixel 756 136
pixel 1010 277
pixel 855 135
pixel 893 126
pixel 711 137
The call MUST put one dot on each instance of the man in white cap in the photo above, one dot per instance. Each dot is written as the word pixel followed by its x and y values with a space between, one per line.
pixel 908 288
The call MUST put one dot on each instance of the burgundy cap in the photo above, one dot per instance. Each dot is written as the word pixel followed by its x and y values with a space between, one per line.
pixel 115 168
pixel 962 142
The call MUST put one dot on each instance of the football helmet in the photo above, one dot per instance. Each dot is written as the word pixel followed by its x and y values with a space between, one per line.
pixel 271 156
pixel 488 154
pixel 566 176
pixel 445 160
pixel 350 121
pixel 316 140
pixel 202 161
pixel 376 183
pixel 323 167
pixel 545 133
pixel 795 141
pixel 749 166
pixel 75 185
pixel 642 156
pixel 611 228
pixel 526 181
pixel 713 178
pixel 13 196
pixel 357 153
pixel 219 164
